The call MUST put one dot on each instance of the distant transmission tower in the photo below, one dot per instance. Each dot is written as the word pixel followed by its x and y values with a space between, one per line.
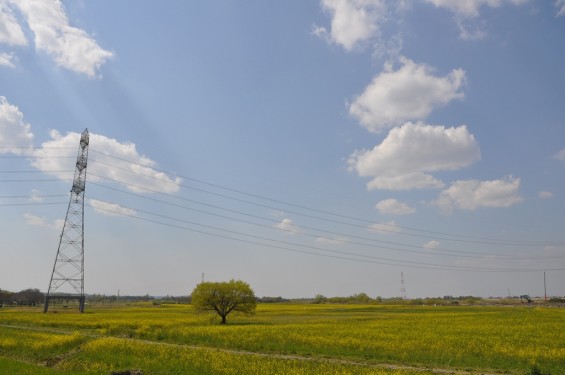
pixel 402 287
pixel 67 278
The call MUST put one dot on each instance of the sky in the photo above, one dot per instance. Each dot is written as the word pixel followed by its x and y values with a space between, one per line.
pixel 306 147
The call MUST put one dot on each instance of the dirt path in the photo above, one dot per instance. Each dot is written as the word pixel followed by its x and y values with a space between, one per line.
pixel 270 355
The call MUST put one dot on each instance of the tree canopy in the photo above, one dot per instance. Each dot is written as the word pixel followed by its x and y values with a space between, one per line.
pixel 224 297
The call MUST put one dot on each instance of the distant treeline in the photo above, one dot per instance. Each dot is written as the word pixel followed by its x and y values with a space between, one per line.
pixel 26 297
pixel 363 298
pixel 34 297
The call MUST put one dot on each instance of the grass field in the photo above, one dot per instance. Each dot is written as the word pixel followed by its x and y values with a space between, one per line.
pixel 285 339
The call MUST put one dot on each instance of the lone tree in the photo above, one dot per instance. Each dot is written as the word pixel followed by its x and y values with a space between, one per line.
pixel 224 297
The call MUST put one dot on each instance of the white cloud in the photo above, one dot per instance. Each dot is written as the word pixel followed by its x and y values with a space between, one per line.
pixel 401 161
pixel 330 241
pixel 560 4
pixel 111 209
pixel 388 227
pixel 15 134
pixel 393 207
pixel 70 47
pixel 473 194
pixel 353 21
pixel 466 13
pixel 35 196
pixel 288 226
pixel 553 250
pixel 470 8
pixel 389 50
pixel 58 224
pixel 431 245
pixel 136 172
pixel 561 154
pixel 10 31
pixel 41 222
pixel 7 59
pixel 407 94
pixel 113 160
pixel 34 220
pixel 545 194
pixel 471 30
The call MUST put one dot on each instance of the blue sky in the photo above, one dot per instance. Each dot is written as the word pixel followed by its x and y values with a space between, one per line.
pixel 302 146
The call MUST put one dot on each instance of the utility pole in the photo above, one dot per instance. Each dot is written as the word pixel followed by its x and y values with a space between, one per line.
pixel 544 287
pixel 67 278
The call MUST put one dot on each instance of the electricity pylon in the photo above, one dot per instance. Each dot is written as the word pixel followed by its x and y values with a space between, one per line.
pixel 402 286
pixel 67 278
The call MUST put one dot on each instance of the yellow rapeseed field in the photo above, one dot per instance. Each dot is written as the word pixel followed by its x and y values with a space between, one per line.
pixel 289 339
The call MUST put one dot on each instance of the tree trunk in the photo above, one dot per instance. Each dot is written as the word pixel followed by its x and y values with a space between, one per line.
pixel 223 319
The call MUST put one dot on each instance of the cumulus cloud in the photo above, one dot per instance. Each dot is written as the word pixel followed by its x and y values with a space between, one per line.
pixel 388 227
pixel 110 209
pixel 393 207
pixel 405 157
pixel 470 8
pixel 71 48
pixel 10 31
pixel 288 226
pixel 407 94
pixel 353 21
pixel 560 155
pixel 15 134
pixel 473 194
pixel 431 245
pixel 113 160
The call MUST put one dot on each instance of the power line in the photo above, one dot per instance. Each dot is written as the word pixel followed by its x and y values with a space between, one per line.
pixel 431 234
pixel 483 240
pixel 318 217
pixel 395 262
pixel 339 234
pixel 383 261
pixel 31 204
pixel 497 242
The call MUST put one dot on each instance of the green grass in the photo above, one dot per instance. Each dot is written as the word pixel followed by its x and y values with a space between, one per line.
pixel 480 339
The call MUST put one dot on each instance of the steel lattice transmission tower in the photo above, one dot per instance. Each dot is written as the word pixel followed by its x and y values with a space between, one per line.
pixel 402 286
pixel 67 278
